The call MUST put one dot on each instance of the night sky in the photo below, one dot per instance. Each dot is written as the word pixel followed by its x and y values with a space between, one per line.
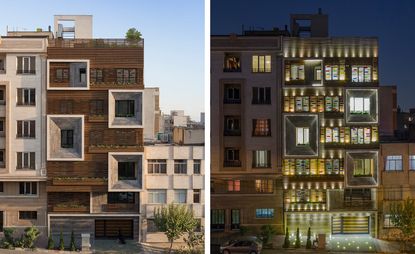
pixel 393 22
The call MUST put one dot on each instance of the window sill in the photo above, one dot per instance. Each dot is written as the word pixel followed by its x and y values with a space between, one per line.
pixel 25 137
pixel 25 105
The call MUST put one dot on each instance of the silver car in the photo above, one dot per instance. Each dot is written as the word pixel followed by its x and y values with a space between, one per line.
pixel 241 246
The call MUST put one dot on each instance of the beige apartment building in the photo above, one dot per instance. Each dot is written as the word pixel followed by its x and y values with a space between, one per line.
pixel 397 179
pixel 246 132
pixel 22 130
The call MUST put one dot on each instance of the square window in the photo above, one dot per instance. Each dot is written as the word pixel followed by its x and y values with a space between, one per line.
pixel 157 196
pixel 180 196
pixel 393 163
pixel 126 171
pixel 124 108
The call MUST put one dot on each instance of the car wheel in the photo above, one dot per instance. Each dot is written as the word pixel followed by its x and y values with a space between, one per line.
pixel 226 252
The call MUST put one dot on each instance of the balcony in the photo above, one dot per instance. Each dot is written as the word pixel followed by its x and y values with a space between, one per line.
pixel 354 205
pixel 64 74
pixel 232 132
pixel 332 177
pixel 56 126
pixel 120 208
pixel 70 208
pixel 95 43
pixel 232 164
pixel 125 108
pixel 125 171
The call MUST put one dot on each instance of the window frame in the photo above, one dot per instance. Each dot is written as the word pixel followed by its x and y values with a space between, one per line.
pixel 158 195
pixel 304 140
pixel 129 105
pixel 264 213
pixel 156 166
pixel 180 167
pixel 126 169
pixel 394 159
pixel 67 138
pixel 28 188
pixel 263 64
pixel 180 196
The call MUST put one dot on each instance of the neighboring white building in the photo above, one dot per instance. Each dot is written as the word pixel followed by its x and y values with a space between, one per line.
pixel 171 174
pixel 152 113
pixel 22 130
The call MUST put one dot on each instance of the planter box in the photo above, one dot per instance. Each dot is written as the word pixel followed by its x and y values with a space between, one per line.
pixel 106 149
pixel 89 182
pixel 97 118
pixel 120 207
pixel 70 209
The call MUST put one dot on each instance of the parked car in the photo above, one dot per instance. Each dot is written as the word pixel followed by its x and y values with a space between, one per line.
pixel 241 246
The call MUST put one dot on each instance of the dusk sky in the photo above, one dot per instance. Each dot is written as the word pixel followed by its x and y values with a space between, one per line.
pixel 173 33
pixel 391 21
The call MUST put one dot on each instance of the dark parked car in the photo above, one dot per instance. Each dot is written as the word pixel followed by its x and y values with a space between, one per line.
pixel 241 246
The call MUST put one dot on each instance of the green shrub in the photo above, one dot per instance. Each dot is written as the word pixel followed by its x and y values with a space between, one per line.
pixel 30 236
pixel 72 246
pixel 308 244
pixel 287 239
pixel 297 239
pixel 51 243
pixel 61 242
pixel 8 241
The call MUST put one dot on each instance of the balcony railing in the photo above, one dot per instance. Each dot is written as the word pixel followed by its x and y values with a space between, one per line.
pixel 232 163
pixel 119 207
pixel 232 132
pixel 354 205
pixel 95 43
pixel 231 101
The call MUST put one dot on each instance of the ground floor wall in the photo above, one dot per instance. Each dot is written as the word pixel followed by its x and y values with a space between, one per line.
pixel 332 223
pixel 14 209
pixel 247 205
pixel 99 227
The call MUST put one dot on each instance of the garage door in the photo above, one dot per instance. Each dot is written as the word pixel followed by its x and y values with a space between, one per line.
pixel 110 228
pixel 350 225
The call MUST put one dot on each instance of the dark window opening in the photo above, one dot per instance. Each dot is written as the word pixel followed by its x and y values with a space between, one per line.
pixel 124 108
pixel 126 171
pixel 67 138
pixel 121 197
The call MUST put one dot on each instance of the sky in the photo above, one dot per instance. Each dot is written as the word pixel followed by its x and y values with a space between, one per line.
pixel 393 22
pixel 173 33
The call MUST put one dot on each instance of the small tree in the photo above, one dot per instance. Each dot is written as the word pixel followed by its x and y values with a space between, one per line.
pixel 308 244
pixel 30 236
pixel 297 239
pixel 287 239
pixel 174 221
pixel 61 242
pixel 133 34
pixel 72 246
pixel 267 231
pixel 403 218
pixel 51 243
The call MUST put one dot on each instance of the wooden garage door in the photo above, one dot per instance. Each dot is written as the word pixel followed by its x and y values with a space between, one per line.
pixel 110 228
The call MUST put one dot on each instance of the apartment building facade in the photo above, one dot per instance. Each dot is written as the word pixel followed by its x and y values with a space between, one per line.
pixel 94 132
pixel 246 127
pixel 22 117
pixel 397 172
pixel 330 145
pixel 172 174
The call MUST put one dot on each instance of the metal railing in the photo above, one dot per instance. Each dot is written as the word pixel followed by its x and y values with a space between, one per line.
pixel 95 43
